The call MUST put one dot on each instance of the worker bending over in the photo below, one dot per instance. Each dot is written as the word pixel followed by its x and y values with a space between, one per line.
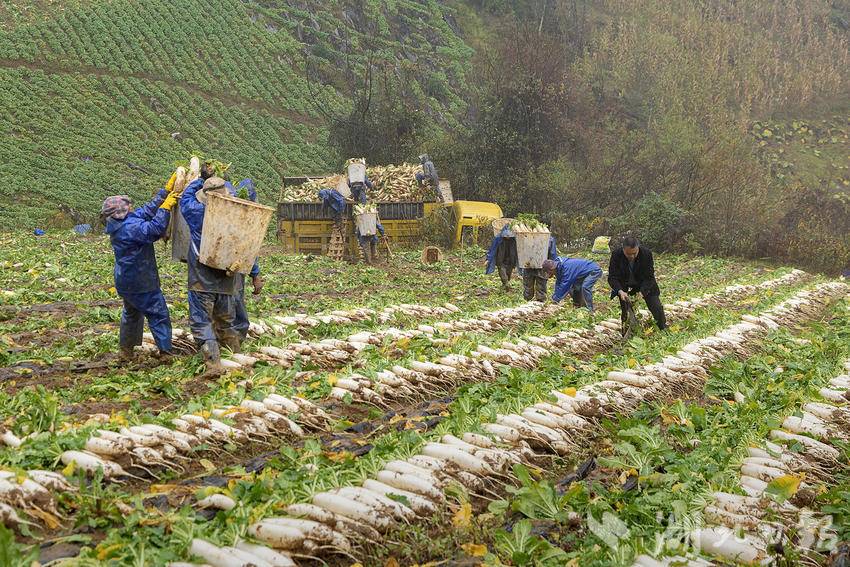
pixel 632 270
pixel 212 292
pixel 502 256
pixel 574 276
pixel 132 234
pixel 535 280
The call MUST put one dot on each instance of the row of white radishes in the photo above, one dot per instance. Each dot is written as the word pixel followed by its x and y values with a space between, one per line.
pixel 146 445
pixel 349 316
pixel 335 353
pixel 406 383
pixel 475 460
pixel 816 458
pixel 29 491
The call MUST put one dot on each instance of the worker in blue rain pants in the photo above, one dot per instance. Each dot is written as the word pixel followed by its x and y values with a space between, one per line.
pixel 212 292
pixel 369 244
pixel 535 280
pixel 574 276
pixel 241 322
pixel 502 256
pixel 132 234
pixel 428 176
pixel 358 181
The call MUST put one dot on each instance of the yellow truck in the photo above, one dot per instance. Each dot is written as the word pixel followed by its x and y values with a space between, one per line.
pixel 307 227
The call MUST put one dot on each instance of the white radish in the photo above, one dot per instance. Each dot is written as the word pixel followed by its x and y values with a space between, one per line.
pixel 277 535
pixel 90 463
pixel 219 501
pixel 248 558
pixel 724 543
pixel 214 555
pixel 418 504
pixel 105 447
pixel 274 558
pixel 462 459
pixel 51 480
pixel 502 431
pixel 360 494
pixel 352 509
pixel 478 440
pixel 10 439
pixel 314 530
pixel 410 483
pixel 800 425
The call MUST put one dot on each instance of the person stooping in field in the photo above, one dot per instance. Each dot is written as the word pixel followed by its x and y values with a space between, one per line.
pixel 574 276
pixel 213 293
pixel 132 233
pixel 632 270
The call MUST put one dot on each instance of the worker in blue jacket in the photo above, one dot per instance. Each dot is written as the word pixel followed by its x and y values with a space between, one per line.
pixel 212 292
pixel 575 276
pixel 132 234
pixel 241 322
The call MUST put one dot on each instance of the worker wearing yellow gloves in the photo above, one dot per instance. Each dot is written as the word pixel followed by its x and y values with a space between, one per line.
pixel 132 233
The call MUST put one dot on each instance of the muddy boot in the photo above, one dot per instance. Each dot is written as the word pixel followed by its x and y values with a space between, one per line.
pixel 165 357
pixel 126 354
pixel 367 254
pixel 212 359
pixel 232 343
pixel 373 248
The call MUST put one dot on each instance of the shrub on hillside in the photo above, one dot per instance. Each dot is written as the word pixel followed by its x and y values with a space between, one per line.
pixel 657 221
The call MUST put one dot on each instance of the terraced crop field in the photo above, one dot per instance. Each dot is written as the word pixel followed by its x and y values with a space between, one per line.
pixel 103 97
pixel 421 415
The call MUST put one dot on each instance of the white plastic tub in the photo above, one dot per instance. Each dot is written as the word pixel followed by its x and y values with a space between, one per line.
pixel 233 232
pixel 532 249
pixel 367 223
pixel 357 173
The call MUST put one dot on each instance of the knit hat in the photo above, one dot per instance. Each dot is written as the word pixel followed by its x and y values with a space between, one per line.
pixel 116 207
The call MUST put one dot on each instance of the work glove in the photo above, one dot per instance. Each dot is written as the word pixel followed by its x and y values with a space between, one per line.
pixel 169 186
pixel 258 284
pixel 169 202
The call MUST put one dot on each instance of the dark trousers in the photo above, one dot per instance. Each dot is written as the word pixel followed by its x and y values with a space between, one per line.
pixel 138 307
pixel 653 303
pixel 505 274
pixel 212 317
pixel 534 285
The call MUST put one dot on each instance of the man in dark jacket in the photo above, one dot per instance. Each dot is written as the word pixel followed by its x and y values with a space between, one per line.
pixel 632 270
pixel 212 292
pixel 132 234
pixel 502 256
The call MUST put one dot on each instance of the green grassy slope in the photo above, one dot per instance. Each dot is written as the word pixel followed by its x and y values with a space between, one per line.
pixel 102 96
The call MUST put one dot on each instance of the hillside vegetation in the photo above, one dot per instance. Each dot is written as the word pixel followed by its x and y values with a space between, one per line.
pixel 102 97
pixel 640 115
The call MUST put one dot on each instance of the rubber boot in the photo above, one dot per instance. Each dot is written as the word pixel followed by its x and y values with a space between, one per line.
pixel 373 248
pixel 232 342
pixel 367 254
pixel 126 354
pixel 212 359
